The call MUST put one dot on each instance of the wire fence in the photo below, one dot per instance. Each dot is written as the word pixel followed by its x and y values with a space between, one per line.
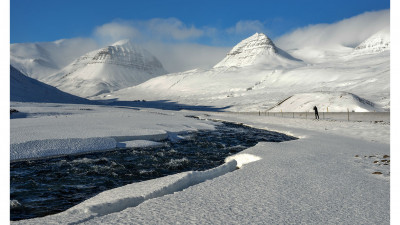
pixel 376 117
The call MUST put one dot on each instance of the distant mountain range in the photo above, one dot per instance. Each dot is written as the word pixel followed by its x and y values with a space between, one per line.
pixel 255 75
pixel 100 71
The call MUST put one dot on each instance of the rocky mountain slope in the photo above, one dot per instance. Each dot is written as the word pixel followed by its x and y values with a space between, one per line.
pixel 257 49
pixel 107 69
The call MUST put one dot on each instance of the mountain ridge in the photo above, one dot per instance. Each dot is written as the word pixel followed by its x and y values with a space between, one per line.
pixel 107 69
pixel 378 42
pixel 257 49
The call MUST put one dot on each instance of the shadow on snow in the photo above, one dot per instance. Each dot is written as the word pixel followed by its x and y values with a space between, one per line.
pixel 161 104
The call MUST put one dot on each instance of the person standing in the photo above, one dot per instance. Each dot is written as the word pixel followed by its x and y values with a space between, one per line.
pixel 316 113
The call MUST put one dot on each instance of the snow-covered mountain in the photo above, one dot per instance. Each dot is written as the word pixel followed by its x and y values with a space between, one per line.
pixel 246 84
pixel 378 42
pixel 107 69
pixel 255 50
pixel 26 89
pixel 39 60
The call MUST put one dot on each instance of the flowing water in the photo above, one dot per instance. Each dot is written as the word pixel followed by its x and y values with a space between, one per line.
pixel 47 186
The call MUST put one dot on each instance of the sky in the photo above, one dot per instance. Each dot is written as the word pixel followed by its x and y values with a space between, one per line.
pixel 185 35
pixel 49 20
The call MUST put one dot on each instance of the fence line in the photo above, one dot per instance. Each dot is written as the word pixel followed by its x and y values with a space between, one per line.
pixel 339 116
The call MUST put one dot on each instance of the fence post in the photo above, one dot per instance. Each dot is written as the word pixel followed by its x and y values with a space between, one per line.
pixel 293 114
pixel 323 115
pixel 306 115
pixel 259 113
pixel 348 115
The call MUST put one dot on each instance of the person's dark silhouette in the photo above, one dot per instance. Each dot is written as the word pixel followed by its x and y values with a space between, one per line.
pixel 316 113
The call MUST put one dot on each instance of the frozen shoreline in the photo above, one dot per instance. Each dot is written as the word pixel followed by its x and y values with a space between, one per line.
pixel 316 179
pixel 56 129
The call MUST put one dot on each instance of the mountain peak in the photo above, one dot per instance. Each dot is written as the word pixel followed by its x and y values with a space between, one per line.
pixel 378 42
pixel 122 42
pixel 124 53
pixel 257 41
pixel 256 49
pixel 113 67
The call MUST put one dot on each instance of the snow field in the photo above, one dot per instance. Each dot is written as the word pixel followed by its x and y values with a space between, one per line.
pixel 335 101
pixel 316 179
pixel 318 183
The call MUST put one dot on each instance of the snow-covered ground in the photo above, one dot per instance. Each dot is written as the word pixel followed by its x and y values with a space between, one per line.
pixel 333 174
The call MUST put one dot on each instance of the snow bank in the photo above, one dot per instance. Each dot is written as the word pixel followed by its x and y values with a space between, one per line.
pixel 242 159
pixel 137 144
pixel 45 148
pixel 57 129
pixel 131 195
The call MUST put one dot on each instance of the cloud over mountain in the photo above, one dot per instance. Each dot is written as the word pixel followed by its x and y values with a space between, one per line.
pixel 347 32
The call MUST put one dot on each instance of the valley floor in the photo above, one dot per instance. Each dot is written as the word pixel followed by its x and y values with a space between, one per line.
pixel 333 174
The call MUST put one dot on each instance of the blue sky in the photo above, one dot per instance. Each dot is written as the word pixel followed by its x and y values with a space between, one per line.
pixel 201 21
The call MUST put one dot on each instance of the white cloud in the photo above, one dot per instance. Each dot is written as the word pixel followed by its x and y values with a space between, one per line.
pixel 176 45
pixel 186 56
pixel 347 32
pixel 170 40
pixel 172 28
pixel 247 27
pixel 115 31
pixel 145 30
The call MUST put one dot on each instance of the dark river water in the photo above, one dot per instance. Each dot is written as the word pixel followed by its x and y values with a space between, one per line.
pixel 47 186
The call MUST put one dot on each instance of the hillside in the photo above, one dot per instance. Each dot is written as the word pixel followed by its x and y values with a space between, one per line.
pixel 26 89
pixel 257 49
pixel 107 69
pixel 39 60
pixel 326 102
